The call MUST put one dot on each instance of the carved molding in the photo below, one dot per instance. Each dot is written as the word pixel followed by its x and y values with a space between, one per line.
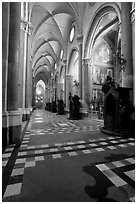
pixel 133 17
pixel 80 38
pixel 23 24
pixel 30 28
pixel 133 12
pixel 85 61
pixel 26 26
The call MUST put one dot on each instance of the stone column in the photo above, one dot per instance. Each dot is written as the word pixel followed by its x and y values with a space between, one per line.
pixel 117 66
pixel 133 46
pixel 28 85
pixel 80 42
pixel 60 91
pixel 50 91
pixel 46 95
pixel 65 68
pixel 33 93
pixel 21 70
pixel 85 80
pixel 53 96
pixel 69 87
pixel 5 42
pixel 126 44
pixel 23 54
pixel 15 118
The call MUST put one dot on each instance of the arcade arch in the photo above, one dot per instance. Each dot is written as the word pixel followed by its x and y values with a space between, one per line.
pixel 103 44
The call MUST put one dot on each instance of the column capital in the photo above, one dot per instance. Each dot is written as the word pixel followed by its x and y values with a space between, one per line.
pixel 68 76
pixel 26 26
pixel 85 61
pixel 64 61
pixel 133 12
pixel 23 24
pixel 30 28
pixel 80 38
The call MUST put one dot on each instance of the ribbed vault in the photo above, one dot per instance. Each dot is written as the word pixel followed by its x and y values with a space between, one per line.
pixel 51 27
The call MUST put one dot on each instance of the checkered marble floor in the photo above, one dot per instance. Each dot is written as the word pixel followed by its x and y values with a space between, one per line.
pixel 46 117
pixel 121 173
pixel 29 156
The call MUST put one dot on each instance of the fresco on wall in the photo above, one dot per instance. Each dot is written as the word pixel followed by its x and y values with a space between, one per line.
pixel 102 56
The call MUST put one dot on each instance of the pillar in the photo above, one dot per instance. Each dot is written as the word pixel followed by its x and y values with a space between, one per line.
pixel 50 91
pixel 117 67
pixel 60 91
pixel 85 80
pixel 65 93
pixel 28 84
pixel 5 42
pixel 80 42
pixel 15 118
pixel 69 87
pixel 33 93
pixel 46 94
pixel 28 101
pixel 23 60
pixel 133 46
pixel 126 44
pixel 21 70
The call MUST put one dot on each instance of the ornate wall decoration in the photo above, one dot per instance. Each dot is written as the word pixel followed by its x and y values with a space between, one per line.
pixel 26 26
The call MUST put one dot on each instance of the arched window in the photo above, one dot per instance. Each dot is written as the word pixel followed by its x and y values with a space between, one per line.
pixel 72 34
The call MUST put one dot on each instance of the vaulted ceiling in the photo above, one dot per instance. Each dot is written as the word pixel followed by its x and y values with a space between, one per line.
pixel 51 27
pixel 52 23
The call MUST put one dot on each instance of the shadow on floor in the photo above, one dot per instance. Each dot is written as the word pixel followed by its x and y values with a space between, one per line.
pixel 99 191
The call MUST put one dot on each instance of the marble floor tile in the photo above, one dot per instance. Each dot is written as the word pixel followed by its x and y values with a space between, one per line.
pixel 22 153
pixel 80 146
pixel 40 158
pixel 19 161
pixel 118 164
pixel 56 156
pixel 117 181
pixel 130 160
pixel 122 145
pixel 93 145
pixel 86 151
pixel 67 148
pixel 103 143
pixel 102 167
pixel 130 174
pixel 30 164
pixel 111 147
pixel 13 189
pixel 39 151
pixel 18 171
pixel 54 150
pixel 72 153
pixel 100 149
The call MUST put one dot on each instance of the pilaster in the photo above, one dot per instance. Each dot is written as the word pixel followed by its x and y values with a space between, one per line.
pixel 85 80
pixel 69 87
pixel 133 46
pixel 5 43
pixel 15 117
pixel 126 45
pixel 65 68
pixel 80 42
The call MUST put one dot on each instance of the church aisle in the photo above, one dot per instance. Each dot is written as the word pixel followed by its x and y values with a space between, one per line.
pixel 68 161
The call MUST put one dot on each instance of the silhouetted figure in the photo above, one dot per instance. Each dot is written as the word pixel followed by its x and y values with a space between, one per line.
pixel 70 106
pixel 76 107
pixel 61 107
